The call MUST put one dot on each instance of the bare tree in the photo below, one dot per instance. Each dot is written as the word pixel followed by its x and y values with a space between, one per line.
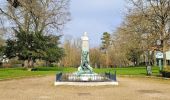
pixel 156 12
pixel 72 53
pixel 37 17
pixel 95 56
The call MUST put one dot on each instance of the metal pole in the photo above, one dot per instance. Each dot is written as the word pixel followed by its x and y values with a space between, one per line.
pixel 160 65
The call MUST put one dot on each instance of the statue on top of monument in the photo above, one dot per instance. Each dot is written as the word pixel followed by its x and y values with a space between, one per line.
pixel 85 66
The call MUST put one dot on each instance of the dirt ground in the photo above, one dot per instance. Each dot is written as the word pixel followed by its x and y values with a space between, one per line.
pixel 42 88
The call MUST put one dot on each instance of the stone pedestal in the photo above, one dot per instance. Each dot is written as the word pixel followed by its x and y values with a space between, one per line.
pixel 85 66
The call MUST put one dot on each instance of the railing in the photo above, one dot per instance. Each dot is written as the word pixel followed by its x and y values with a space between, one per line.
pixel 111 76
pixel 86 77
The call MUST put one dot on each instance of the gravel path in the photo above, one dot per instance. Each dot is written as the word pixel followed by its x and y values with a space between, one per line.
pixel 42 88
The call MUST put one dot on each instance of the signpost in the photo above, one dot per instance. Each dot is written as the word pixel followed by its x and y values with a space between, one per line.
pixel 168 55
pixel 159 55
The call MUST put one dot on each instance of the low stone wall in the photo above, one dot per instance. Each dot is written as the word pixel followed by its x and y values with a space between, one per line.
pixel 107 77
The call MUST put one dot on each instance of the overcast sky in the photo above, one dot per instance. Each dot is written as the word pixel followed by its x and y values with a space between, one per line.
pixel 94 17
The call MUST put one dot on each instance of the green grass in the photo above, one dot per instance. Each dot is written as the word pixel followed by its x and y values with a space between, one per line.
pixel 129 71
pixel 10 73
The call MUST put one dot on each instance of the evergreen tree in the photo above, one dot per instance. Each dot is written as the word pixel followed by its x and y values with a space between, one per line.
pixel 106 39
pixel 31 46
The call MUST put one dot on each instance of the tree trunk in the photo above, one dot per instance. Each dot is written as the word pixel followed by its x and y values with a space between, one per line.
pixel 30 63
pixel 26 63
pixel 164 54
pixel 47 63
pixel 154 58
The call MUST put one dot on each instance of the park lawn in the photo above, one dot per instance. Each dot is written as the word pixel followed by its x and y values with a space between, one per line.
pixel 140 71
pixel 10 73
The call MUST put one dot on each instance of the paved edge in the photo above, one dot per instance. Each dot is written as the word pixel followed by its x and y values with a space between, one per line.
pixel 85 83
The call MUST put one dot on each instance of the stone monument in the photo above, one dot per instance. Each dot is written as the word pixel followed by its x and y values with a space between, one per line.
pixel 85 66
pixel 85 71
pixel 85 74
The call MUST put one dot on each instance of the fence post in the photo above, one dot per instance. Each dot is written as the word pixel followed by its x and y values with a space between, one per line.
pixel 115 76
pixel 58 76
